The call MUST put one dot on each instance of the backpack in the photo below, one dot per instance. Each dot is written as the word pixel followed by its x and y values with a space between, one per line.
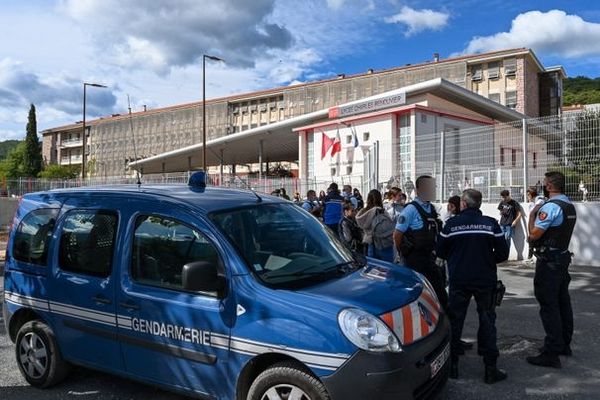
pixel 423 239
pixel 383 230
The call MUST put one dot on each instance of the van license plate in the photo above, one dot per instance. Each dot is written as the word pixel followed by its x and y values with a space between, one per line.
pixel 440 360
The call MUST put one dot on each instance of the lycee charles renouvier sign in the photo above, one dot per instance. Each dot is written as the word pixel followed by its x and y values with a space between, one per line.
pixel 368 105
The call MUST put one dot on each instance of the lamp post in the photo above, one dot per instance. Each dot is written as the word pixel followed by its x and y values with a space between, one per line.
pixel 204 57
pixel 83 157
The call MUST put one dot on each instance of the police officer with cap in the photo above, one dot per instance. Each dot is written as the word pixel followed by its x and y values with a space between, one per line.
pixel 550 237
pixel 473 244
pixel 416 233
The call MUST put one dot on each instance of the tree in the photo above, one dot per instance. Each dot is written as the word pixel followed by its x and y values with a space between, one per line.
pixel 581 90
pixel 55 171
pixel 13 165
pixel 6 147
pixel 33 153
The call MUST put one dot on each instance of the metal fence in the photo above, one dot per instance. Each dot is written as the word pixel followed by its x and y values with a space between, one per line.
pixel 511 156
pixel 266 184
pixel 516 156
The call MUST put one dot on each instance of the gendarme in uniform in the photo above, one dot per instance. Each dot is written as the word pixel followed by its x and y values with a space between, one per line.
pixel 557 218
pixel 418 244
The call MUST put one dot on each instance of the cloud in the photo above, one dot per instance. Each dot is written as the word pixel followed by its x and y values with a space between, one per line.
pixel 335 4
pixel 419 20
pixel 21 87
pixel 553 33
pixel 9 134
pixel 166 33
pixel 152 49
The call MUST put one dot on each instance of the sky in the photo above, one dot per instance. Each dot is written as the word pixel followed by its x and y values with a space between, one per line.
pixel 152 50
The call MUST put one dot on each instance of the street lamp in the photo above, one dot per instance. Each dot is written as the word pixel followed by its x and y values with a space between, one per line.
pixel 83 157
pixel 213 58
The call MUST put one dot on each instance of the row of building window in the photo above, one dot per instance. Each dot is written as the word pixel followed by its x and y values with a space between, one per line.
pixel 493 70
pixel 513 157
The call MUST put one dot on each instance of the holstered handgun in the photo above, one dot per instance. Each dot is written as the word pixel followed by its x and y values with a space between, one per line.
pixel 499 293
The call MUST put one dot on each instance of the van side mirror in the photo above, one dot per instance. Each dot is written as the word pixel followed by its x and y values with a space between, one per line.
pixel 202 276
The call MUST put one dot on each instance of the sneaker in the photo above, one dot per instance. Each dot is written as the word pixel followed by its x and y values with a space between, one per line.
pixel 545 360
pixel 466 345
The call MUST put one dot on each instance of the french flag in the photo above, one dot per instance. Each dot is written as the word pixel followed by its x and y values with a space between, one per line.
pixel 337 144
pixel 326 144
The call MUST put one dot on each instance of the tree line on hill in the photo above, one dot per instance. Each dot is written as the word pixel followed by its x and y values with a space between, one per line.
pixel 23 158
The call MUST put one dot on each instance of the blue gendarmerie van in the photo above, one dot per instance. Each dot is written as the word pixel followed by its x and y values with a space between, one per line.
pixel 216 293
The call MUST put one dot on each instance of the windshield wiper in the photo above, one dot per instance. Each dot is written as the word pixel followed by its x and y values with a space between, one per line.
pixel 338 268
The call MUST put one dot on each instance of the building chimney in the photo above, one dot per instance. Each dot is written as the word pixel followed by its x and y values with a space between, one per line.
pixel 370 71
pixel 341 76
pixel 436 57
pixel 145 109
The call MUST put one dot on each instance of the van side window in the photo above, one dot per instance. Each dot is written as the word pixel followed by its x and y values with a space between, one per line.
pixel 87 242
pixel 162 246
pixel 33 235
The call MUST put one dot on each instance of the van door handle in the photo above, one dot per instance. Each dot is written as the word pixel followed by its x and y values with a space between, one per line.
pixel 129 306
pixel 101 299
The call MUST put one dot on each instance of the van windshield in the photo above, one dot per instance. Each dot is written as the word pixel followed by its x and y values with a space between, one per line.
pixel 284 245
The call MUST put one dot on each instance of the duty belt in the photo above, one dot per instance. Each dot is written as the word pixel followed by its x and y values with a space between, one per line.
pixel 544 251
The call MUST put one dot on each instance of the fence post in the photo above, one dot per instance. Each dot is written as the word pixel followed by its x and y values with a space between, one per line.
pixel 442 164
pixel 377 165
pixel 525 160
pixel 260 160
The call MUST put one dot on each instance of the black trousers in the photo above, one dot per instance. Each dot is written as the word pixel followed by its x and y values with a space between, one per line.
pixel 459 299
pixel 424 263
pixel 551 289
pixel 335 228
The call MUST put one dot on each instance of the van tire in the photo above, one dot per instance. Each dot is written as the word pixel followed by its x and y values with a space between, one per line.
pixel 47 367
pixel 284 376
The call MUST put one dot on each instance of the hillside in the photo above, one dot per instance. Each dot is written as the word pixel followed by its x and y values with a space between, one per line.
pixel 581 90
pixel 6 146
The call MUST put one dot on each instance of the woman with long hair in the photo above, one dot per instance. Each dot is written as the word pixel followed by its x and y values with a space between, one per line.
pixel 378 228
pixel 453 207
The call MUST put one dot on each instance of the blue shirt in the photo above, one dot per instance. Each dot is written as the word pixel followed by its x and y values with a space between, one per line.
pixel 352 200
pixel 550 214
pixel 332 209
pixel 410 218
pixel 308 205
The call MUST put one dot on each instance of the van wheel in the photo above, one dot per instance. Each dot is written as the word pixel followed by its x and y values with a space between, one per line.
pixel 38 357
pixel 287 381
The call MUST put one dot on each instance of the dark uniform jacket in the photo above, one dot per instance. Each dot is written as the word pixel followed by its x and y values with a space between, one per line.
pixel 472 244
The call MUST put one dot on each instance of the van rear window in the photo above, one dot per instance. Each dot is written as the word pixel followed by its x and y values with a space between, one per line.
pixel 33 235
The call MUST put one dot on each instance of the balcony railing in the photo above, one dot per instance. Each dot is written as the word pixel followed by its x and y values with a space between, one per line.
pixel 71 160
pixel 72 143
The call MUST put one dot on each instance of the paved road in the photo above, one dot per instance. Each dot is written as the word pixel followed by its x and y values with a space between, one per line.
pixel 520 333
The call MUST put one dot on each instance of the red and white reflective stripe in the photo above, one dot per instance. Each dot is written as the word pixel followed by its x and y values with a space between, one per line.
pixel 409 323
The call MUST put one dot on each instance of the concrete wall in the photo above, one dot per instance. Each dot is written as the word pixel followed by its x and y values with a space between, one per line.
pixel 8 206
pixel 585 243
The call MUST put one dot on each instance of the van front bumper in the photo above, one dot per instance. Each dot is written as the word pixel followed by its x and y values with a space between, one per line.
pixel 405 375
